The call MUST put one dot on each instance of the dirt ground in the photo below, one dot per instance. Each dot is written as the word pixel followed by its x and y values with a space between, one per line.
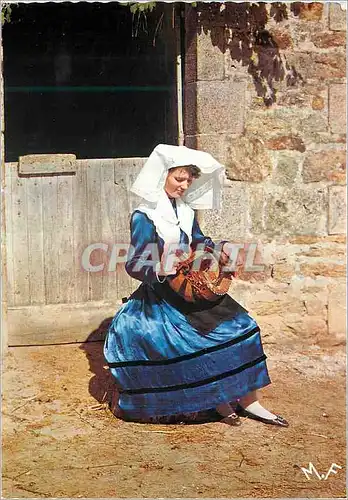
pixel 61 440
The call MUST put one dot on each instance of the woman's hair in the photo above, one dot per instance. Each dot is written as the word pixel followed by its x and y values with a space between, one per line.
pixel 192 170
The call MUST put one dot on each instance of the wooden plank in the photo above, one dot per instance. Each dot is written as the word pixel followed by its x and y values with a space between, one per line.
pixel 60 323
pixel 109 222
pixel 10 171
pixel 126 171
pixel 35 240
pixel 20 242
pixel 123 280
pixel 80 228
pixel 50 240
pixel 95 227
pixel 47 164
pixel 65 239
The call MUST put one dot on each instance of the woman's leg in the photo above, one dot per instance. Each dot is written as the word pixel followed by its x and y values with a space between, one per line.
pixel 250 403
pixel 230 416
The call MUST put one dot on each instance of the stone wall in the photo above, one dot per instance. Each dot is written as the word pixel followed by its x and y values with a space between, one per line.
pixel 275 116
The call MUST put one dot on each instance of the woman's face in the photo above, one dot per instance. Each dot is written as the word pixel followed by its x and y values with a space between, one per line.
pixel 178 181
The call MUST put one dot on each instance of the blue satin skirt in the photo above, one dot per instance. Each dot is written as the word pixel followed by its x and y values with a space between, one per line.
pixel 164 366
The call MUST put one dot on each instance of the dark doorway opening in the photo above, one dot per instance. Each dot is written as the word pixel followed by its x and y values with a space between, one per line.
pixel 89 79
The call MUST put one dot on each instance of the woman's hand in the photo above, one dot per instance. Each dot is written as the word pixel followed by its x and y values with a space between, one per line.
pixel 233 255
pixel 162 269
pixel 170 261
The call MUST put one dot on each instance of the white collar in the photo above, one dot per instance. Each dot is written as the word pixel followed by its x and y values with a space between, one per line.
pixel 163 216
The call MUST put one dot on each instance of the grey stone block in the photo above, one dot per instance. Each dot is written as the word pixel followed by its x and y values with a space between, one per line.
pixel 215 144
pixel 296 211
pixel 256 202
pixel 287 169
pixel 338 108
pixel 337 209
pixel 337 18
pixel 210 59
pixel 215 107
pixel 211 143
pixel 230 222
pixel 337 312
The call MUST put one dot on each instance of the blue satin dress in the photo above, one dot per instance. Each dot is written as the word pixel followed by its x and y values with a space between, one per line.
pixel 171 358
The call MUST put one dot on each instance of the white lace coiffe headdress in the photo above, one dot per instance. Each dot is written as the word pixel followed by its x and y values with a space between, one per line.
pixel 204 192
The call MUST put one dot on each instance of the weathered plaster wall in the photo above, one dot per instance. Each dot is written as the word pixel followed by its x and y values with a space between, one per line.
pixel 285 161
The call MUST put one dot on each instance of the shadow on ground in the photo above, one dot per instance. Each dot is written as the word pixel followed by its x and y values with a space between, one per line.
pixel 103 388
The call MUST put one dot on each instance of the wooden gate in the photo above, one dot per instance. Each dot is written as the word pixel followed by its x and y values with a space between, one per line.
pixel 59 287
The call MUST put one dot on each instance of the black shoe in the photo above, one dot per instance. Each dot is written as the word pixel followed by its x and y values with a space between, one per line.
pixel 273 421
pixel 232 420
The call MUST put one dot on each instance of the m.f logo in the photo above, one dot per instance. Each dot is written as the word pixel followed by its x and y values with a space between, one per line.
pixel 312 470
